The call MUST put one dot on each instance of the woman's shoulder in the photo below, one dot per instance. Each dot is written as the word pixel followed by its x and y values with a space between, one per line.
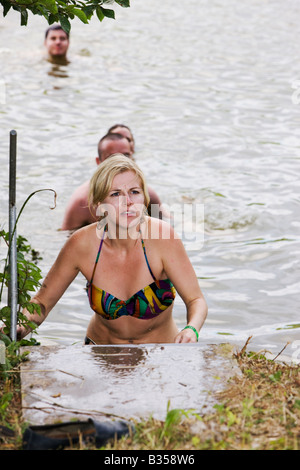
pixel 83 237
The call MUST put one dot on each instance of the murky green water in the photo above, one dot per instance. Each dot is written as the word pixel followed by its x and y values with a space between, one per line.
pixel 209 91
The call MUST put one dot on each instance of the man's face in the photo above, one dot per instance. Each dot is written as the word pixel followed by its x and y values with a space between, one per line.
pixel 109 147
pixel 57 43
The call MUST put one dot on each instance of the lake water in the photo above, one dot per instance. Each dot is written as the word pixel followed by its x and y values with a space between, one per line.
pixel 210 92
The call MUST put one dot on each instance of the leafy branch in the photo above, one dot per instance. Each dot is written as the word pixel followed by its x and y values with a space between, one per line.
pixel 62 11
pixel 28 278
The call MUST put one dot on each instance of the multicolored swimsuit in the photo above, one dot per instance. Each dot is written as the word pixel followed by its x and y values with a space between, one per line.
pixel 145 304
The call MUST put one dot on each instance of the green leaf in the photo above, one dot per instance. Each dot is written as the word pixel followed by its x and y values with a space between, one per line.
pixel 4 313
pixel 22 3
pixel 50 5
pixel 108 13
pixel 24 17
pixel 6 339
pixel 65 23
pixel 31 325
pixel 6 7
pixel 51 19
pixel 88 11
pixel 100 14
pixel 80 14
pixel 123 3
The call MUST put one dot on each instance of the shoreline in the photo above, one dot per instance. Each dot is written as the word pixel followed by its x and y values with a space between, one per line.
pixel 259 410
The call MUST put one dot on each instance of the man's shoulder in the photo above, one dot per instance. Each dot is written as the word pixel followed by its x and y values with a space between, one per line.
pixel 81 193
pixel 78 212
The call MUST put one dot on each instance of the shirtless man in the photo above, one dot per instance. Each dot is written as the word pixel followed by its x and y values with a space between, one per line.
pixel 78 213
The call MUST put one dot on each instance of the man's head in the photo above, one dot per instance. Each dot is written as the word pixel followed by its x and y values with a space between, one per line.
pixel 113 143
pixel 56 41
pixel 125 131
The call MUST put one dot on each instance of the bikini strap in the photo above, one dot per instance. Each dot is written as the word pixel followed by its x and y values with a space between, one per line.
pixel 143 245
pixel 97 257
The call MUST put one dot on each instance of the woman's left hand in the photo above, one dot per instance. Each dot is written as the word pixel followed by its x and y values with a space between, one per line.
pixel 186 336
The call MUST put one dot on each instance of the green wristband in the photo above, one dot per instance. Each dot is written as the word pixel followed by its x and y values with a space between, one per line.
pixel 194 330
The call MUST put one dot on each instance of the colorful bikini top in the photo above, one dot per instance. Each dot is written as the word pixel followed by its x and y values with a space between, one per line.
pixel 147 303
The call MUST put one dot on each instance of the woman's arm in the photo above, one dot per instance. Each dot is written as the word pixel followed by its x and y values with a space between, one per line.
pixel 60 276
pixel 180 271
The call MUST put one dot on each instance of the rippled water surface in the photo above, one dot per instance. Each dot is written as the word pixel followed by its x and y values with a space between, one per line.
pixel 210 92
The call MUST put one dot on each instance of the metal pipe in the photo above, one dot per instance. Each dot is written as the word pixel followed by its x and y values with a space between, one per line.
pixel 13 284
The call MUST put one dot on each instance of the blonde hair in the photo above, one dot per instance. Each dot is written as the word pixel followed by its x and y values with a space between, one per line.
pixel 101 181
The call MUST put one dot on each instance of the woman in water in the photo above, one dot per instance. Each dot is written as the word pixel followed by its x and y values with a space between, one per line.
pixel 133 263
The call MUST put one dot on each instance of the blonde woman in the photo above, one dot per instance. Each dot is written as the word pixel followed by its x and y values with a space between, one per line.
pixel 134 264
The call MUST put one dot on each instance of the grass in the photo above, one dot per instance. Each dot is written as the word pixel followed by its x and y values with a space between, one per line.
pixel 259 410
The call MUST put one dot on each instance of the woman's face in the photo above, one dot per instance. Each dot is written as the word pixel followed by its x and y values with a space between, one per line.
pixel 124 203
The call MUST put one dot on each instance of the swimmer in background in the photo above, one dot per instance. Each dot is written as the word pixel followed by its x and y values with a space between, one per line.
pixel 78 213
pixel 57 43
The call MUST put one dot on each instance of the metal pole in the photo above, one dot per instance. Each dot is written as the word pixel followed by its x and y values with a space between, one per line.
pixel 13 284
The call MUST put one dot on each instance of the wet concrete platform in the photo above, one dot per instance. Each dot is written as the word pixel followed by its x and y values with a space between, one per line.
pixel 60 383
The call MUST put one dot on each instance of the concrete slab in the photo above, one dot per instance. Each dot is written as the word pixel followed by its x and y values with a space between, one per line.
pixel 60 383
